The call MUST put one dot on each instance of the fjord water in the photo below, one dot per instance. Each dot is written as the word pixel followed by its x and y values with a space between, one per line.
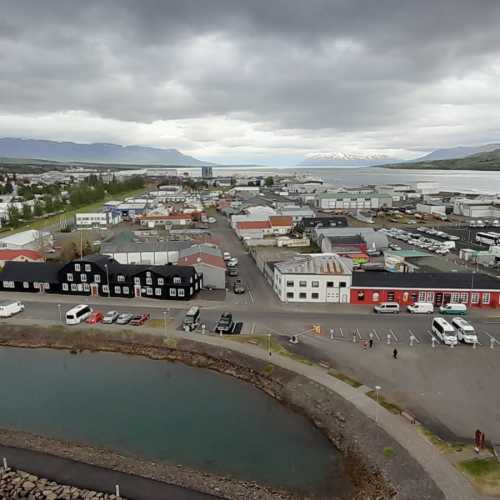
pixel 166 412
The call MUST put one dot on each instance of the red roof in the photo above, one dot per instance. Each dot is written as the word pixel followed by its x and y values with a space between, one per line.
pixel 254 224
pixel 9 254
pixel 196 258
pixel 281 220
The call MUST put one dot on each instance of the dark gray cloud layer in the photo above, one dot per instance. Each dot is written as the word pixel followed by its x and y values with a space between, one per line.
pixel 318 66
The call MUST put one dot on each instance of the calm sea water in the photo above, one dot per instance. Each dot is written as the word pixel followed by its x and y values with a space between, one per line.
pixel 167 412
pixel 467 181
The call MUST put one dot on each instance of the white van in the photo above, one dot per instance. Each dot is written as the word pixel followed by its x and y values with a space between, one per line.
pixel 192 319
pixel 421 308
pixel 10 307
pixel 465 331
pixel 78 314
pixel 387 307
pixel 444 331
pixel 457 309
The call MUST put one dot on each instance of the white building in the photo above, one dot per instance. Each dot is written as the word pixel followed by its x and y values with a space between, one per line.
pixel 431 208
pixel 97 219
pixel 477 207
pixel 427 187
pixel 149 253
pixel 313 278
pixel 352 201
pixel 28 240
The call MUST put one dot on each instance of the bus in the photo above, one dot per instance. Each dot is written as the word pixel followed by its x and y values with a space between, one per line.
pixel 78 314
pixel 488 238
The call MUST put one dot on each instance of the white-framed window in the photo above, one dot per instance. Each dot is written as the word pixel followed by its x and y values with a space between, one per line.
pixel 190 279
pixel 330 284
pixel 149 281
pixel 315 295
pixel 302 284
pixel 69 277
pixel 173 292
pixel 474 298
pixel 180 292
pixel 65 287
pixel 315 284
pixel 289 295
pixel 120 278
pixel 8 284
pixel 88 268
pixel 105 288
pixel 426 296
pixel 302 295
pixel 26 284
pixel 375 296
pixel 148 274
pixel 176 280
pixel 464 297
pixel 190 290
pixel 486 298
pixel 86 287
pixel 149 290
pixel 118 290
pixel 196 285
pixel 78 267
pixel 74 288
pixel 289 284
pixel 97 278
pixel 137 280
pixel 83 277
pixel 158 291
pixel 455 297
pixel 161 281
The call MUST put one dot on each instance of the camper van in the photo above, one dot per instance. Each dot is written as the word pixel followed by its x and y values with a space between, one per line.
pixel 192 319
pixel 465 331
pixel 457 309
pixel 444 331
pixel 78 314
pixel 387 307
pixel 421 308
pixel 10 307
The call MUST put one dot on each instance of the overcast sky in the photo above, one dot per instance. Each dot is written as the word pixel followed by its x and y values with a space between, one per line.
pixel 253 80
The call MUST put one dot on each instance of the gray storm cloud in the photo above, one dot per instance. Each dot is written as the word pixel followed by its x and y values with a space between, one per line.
pixel 386 72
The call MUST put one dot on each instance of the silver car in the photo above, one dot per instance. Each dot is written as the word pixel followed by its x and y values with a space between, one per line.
pixel 110 317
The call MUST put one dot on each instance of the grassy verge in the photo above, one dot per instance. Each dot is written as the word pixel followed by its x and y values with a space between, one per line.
pixel 54 219
pixel 392 407
pixel 484 473
pixel 263 342
pixel 441 444
pixel 345 378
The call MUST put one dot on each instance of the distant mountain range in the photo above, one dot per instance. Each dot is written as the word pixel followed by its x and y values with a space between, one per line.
pixel 486 161
pixel 343 159
pixel 95 152
pixel 458 152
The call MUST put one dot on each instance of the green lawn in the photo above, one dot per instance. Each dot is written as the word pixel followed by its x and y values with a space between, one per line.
pixel 392 407
pixel 345 378
pixel 484 473
pixel 48 221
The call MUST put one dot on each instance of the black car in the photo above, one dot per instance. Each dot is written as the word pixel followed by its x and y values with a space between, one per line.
pixel 239 287
pixel 232 271
pixel 225 323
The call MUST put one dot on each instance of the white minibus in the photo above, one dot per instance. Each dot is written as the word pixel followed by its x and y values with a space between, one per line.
pixel 444 331
pixel 78 314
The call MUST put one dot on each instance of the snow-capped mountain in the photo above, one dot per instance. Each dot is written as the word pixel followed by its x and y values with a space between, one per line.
pixel 342 158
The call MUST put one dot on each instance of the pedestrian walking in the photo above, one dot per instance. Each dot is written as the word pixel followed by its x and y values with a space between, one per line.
pixel 395 354
pixel 371 343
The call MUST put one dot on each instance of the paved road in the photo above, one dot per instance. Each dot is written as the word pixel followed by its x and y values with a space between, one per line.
pixel 69 472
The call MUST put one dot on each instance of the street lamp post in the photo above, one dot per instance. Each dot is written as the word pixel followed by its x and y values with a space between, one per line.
pixel 60 312
pixel 269 343
pixel 165 321
pixel 107 280
pixel 377 389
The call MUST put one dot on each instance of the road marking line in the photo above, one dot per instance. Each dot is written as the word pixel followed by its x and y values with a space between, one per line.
pixel 394 336
pixel 376 334
pixel 416 338
pixel 341 332
pixel 491 336
pixel 251 296
pixel 359 334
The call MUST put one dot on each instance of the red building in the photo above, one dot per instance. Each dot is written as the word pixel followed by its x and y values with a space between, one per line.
pixel 473 289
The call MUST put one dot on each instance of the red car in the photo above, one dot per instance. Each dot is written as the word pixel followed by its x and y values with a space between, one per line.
pixel 139 319
pixel 95 317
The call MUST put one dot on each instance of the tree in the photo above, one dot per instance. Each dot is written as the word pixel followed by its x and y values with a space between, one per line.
pixel 9 188
pixel 37 209
pixel 27 213
pixel 269 181
pixel 14 216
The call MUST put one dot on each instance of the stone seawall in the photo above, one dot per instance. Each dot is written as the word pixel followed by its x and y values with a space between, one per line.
pixel 373 476
pixel 19 484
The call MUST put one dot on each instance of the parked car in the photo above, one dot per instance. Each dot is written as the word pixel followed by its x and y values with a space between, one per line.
pixel 233 261
pixel 10 307
pixel 95 317
pixel 192 319
pixel 387 307
pixel 465 331
pixel 212 220
pixel 226 256
pixel 239 287
pixel 421 308
pixel 124 318
pixel 139 319
pixel 110 317
pixel 457 309
pixel 232 271
pixel 225 323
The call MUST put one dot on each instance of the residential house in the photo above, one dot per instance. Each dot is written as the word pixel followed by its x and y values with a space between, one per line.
pixel 21 255
pixel 31 239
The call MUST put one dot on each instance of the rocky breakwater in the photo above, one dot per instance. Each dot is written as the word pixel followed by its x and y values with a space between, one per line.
pixel 18 484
